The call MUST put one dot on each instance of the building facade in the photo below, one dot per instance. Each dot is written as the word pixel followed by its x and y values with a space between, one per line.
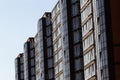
pixel 99 22
pixel 72 40
pixel 77 40
pixel 57 42
pixel 87 9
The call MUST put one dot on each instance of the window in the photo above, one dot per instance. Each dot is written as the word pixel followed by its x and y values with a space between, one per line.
pixel 75 23
pixel 58 68
pixel 49 41
pixel 90 71
pixel 56 33
pixel 32 71
pixel 32 53
pixel 50 63
pixel 50 73
pixel 48 31
pixel 21 68
pixel 88 57
pixel 82 2
pixel 61 77
pixel 77 64
pixel 87 27
pixel 49 52
pixel 86 12
pixel 58 18
pixel 76 35
pixel 32 62
pixel 21 60
pixel 58 56
pixel 75 10
pixel 57 44
pixel 77 50
pixel 47 20
pixel 88 42
pixel 79 76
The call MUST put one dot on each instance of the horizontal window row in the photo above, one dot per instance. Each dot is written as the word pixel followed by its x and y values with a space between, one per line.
pixel 59 68
pixel 56 9
pixel 87 27
pixel 88 42
pixel 89 56
pixel 57 44
pixel 82 3
pixel 89 72
pixel 56 33
pixel 86 12
pixel 58 56
pixel 60 77
pixel 56 21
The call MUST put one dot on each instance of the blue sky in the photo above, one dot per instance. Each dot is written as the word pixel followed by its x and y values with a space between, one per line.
pixel 18 21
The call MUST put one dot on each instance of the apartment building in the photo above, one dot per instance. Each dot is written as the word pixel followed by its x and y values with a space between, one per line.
pixel 19 67
pixel 77 40
pixel 29 59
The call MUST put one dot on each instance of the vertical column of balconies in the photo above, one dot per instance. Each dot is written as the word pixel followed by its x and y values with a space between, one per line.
pixel 44 54
pixel 72 40
pixel 48 49
pixel 29 60
pixel 19 67
pixel 32 59
pixel 88 38
pixel 77 40
pixel 57 42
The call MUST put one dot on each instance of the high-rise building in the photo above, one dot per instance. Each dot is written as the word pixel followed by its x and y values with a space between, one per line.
pixel 77 40
pixel 19 67
pixel 29 60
